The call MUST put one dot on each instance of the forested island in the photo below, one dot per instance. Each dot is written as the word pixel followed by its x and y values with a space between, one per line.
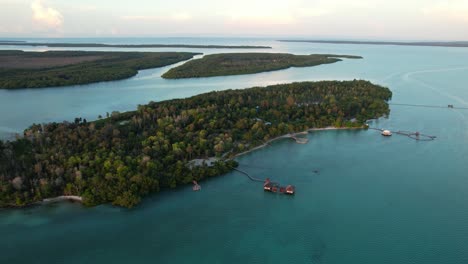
pixel 245 63
pixel 457 44
pixel 19 69
pixel 135 46
pixel 126 156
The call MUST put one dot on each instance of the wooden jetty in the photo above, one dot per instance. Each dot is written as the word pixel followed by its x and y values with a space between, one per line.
pixel 413 135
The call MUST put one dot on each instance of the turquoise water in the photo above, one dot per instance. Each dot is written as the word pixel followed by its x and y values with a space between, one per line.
pixel 374 200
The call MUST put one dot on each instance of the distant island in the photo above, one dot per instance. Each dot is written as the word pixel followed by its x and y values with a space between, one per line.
pixel 245 63
pixel 101 45
pixel 459 44
pixel 124 157
pixel 12 41
pixel 20 69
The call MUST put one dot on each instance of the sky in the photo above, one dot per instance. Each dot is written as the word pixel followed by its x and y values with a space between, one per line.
pixel 333 19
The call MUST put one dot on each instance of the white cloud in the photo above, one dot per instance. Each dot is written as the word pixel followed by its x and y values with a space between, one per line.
pixel 46 16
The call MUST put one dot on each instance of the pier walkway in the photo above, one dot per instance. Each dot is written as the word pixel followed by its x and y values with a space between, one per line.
pixel 413 135
pixel 430 106
pixel 248 175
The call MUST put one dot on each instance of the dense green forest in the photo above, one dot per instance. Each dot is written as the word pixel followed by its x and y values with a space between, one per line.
pixel 122 158
pixel 100 45
pixel 20 69
pixel 244 63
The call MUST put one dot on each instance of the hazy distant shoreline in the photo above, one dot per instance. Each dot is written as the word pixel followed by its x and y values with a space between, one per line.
pixel 101 45
pixel 458 44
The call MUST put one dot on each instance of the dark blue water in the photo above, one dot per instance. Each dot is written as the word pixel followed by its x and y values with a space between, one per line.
pixel 373 200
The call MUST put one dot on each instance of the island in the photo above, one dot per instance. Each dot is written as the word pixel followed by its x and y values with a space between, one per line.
pixel 245 63
pixel 126 156
pixel 456 44
pixel 133 46
pixel 19 69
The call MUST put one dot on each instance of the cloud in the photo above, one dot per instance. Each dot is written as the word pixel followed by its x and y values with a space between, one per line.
pixel 47 16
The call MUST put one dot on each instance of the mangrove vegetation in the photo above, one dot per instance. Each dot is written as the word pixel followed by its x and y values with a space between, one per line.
pixel 244 63
pixel 133 46
pixel 20 69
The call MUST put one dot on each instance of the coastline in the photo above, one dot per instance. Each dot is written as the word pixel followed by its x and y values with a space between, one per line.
pixel 452 44
pixel 61 198
pixel 135 46
pixel 72 198
pixel 79 199
pixel 289 135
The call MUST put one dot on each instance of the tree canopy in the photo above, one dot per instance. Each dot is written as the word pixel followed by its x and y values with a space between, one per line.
pixel 20 69
pixel 244 63
pixel 126 156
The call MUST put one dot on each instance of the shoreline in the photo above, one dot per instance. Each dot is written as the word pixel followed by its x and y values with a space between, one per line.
pixel 71 198
pixel 135 46
pixel 79 199
pixel 452 44
pixel 306 132
pixel 61 198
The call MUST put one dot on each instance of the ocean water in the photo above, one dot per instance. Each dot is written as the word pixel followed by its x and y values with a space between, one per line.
pixel 361 197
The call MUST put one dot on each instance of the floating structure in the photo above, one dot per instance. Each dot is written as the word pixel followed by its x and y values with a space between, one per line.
pixel 386 133
pixel 274 187
pixel 269 186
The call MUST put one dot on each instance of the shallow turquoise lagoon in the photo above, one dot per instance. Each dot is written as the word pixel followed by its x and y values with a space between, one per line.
pixel 361 198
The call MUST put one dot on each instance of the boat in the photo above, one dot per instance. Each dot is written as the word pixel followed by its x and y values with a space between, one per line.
pixel 386 133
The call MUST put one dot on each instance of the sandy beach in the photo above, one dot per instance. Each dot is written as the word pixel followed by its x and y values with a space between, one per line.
pixel 297 133
pixel 63 198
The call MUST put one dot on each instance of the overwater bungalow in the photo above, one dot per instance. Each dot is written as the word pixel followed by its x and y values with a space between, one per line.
pixel 290 189
pixel 386 133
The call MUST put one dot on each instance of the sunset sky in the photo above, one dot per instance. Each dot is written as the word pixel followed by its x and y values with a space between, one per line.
pixel 366 19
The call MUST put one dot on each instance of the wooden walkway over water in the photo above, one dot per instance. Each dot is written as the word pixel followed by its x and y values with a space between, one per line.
pixel 248 175
pixel 430 106
pixel 413 135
